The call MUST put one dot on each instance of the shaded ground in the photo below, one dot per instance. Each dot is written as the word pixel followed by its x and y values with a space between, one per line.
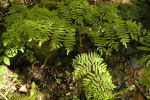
pixel 126 73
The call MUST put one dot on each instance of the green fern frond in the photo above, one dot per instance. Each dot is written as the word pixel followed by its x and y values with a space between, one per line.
pixel 144 79
pixel 38 25
pixel 96 79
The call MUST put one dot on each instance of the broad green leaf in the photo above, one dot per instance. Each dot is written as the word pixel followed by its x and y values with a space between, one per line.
pixel 32 92
pixel 6 61
pixel 143 48
pixel 33 85
pixel 143 59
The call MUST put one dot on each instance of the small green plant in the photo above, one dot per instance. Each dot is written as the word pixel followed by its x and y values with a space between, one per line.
pixel 146 42
pixel 33 89
pixel 29 55
pixel 95 78
pixel 145 79
pixel 58 80
pixel 75 98
pixel 7 55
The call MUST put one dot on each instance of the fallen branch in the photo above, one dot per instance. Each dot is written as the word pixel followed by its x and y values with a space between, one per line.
pixel 3 96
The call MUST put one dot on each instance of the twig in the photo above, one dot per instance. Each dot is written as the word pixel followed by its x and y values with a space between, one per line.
pixel 46 60
pixel 139 89
pixel 7 13
pixel 3 96
pixel 4 24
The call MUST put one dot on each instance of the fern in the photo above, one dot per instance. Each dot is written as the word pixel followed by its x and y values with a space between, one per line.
pixel 96 79
pixel 144 79
pixel 38 27
pixel 145 41
pixel 59 26
pixel 63 27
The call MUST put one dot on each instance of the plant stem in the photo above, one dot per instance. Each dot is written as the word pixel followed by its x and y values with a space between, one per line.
pixel 3 96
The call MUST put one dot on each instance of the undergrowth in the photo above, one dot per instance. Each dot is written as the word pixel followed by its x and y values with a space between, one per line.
pixel 74 25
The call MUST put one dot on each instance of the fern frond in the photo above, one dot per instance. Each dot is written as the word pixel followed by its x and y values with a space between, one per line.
pixel 96 79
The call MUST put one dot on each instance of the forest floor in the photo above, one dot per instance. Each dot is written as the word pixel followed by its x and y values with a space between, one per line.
pixel 59 84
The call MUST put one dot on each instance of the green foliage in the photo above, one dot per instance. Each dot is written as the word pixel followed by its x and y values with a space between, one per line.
pixel 64 27
pixel 145 41
pixel 32 90
pixel 95 78
pixel 145 80
pixel 58 80
pixel 6 54
pixel 6 61
pixel 27 29
pixel 104 18
pixel 29 55
pixel 75 98
pixel 39 25
pixel 129 88
pixel 97 81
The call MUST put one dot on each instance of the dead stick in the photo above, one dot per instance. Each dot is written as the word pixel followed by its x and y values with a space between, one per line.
pixel 139 89
pixel 3 96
